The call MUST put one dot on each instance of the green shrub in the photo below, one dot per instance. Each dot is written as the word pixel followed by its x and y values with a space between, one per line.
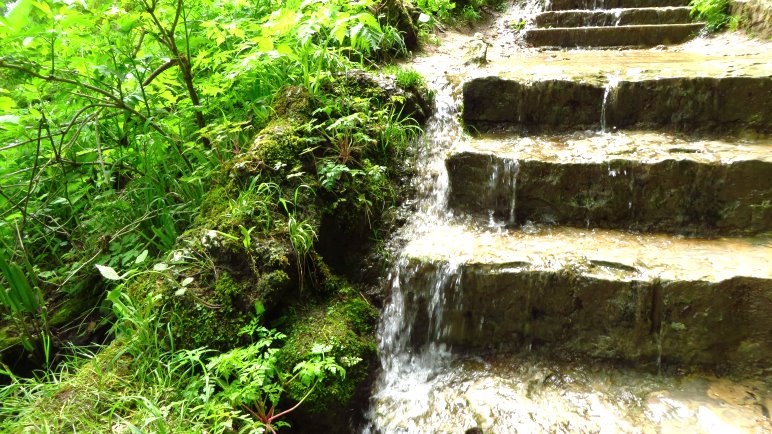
pixel 715 14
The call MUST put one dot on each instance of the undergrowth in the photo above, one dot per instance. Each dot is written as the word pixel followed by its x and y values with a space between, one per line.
pixel 142 383
pixel 168 169
pixel 715 14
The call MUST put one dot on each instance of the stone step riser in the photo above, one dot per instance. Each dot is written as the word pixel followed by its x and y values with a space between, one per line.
pixel 675 196
pixel 698 104
pixel 562 5
pixel 618 17
pixel 626 36
pixel 725 324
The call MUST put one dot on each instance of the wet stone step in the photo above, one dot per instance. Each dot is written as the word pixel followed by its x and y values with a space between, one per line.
pixel 631 180
pixel 599 293
pixel 524 393
pixel 613 17
pixel 733 103
pixel 628 36
pixel 562 5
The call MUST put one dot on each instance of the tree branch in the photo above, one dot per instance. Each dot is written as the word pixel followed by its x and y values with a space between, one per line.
pixel 159 70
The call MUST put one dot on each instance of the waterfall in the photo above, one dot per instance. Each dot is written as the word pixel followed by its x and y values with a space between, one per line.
pixel 411 326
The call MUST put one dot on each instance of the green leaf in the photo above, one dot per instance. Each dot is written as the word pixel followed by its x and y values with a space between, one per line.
pixel 108 272
pixel 141 258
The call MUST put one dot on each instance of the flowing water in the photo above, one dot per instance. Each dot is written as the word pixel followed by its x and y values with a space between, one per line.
pixel 424 386
pixel 608 94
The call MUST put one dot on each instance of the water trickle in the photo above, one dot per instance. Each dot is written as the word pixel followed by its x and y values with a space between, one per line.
pixel 617 16
pixel 610 88
pixel 503 179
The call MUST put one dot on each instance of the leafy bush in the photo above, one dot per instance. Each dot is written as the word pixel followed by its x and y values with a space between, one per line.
pixel 715 14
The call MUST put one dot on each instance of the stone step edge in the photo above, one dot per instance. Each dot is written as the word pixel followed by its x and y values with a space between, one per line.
pixel 644 35
pixel 723 321
pixel 695 25
pixel 493 103
pixel 553 7
pixel 608 13
pixel 669 195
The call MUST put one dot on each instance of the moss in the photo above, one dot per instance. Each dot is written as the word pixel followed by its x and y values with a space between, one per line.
pixel 69 310
pixel 293 102
pixel 215 207
pixel 218 304
pixel 280 145
pixel 347 325
pixel 8 338
pixel 195 324
pixel 225 287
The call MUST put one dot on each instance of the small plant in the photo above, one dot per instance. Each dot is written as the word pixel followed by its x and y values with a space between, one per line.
pixel 469 13
pixel 25 303
pixel 518 25
pixel 249 379
pixel 409 78
pixel 715 13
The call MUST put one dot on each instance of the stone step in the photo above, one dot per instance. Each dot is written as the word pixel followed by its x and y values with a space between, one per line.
pixel 643 88
pixel 600 293
pixel 526 393
pixel 614 17
pixel 563 5
pixel 632 180
pixel 628 36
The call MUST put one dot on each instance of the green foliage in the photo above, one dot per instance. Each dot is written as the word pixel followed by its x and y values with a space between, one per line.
pixel 115 115
pixel 469 13
pixel 346 324
pixel 439 8
pixel 409 78
pixel 449 10
pixel 141 383
pixel 120 121
pixel 715 14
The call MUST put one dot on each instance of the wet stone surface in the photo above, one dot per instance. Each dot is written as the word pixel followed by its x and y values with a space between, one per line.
pixel 609 294
pixel 624 180
pixel 524 394
pixel 648 35
pixel 613 17
pixel 717 104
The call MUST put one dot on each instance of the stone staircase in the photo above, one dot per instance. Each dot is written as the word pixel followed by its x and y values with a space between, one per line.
pixel 605 23
pixel 633 192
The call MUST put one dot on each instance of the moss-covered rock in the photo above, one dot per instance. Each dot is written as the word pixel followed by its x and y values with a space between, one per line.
pixel 212 309
pixel 347 325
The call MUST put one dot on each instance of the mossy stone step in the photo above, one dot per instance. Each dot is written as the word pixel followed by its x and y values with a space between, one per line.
pixel 634 180
pixel 610 294
pixel 704 104
pixel 562 5
pixel 628 36
pixel 613 17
